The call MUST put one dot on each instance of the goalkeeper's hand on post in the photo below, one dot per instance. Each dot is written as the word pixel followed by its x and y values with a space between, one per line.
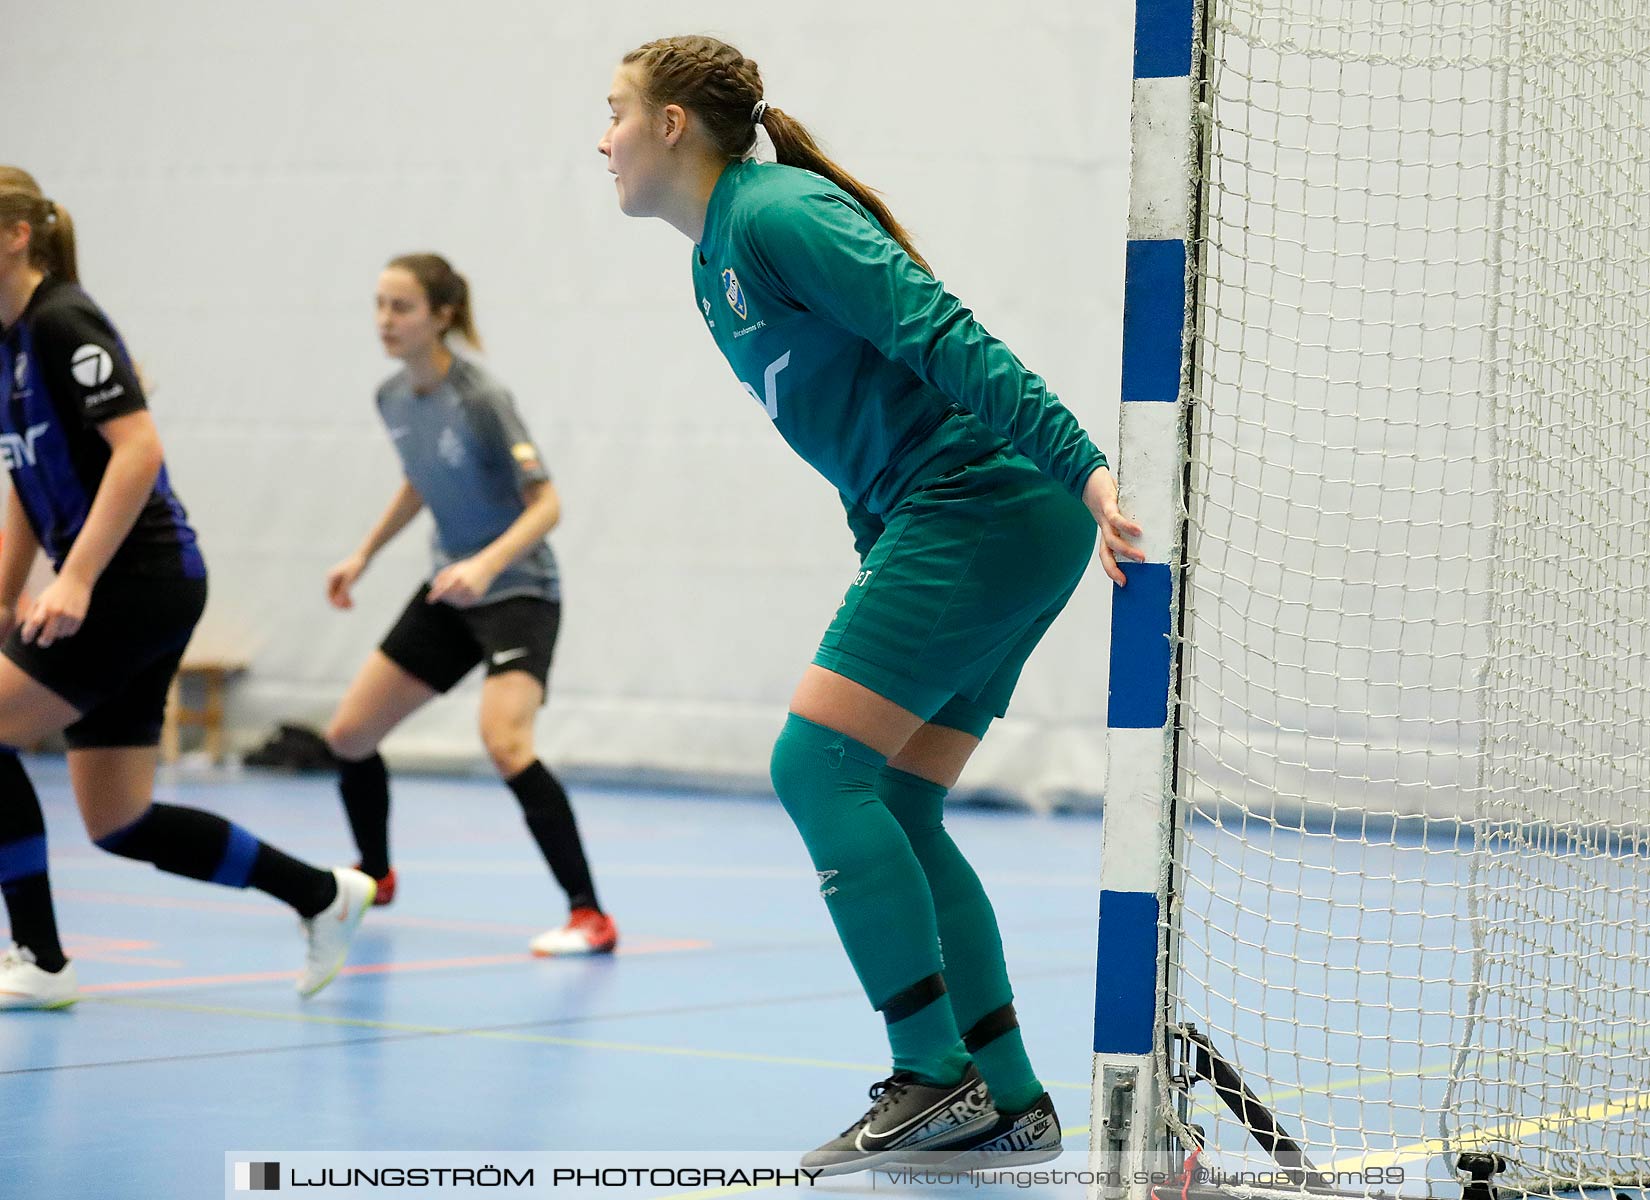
pixel 1116 530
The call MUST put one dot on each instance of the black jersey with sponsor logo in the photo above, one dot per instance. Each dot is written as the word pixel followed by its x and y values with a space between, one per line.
pixel 63 371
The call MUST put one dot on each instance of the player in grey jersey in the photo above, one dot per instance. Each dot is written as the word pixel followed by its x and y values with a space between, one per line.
pixel 494 595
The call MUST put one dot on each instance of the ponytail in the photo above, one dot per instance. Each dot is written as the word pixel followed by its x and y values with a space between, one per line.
pixel 443 288
pixel 59 257
pixel 724 89
pixel 51 237
pixel 794 146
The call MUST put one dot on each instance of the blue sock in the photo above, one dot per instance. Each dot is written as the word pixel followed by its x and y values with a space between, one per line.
pixel 202 845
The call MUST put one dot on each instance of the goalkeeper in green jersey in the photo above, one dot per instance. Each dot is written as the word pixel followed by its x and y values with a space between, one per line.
pixel 973 496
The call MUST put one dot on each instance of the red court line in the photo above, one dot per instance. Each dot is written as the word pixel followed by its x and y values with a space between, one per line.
pixel 273 908
pixel 137 901
pixel 85 943
pixel 655 946
pixel 89 947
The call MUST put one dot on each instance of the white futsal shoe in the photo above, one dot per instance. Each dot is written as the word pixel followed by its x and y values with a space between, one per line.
pixel 24 985
pixel 329 931
pixel 588 931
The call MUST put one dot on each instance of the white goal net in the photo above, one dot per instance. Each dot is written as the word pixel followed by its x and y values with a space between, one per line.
pixel 1412 862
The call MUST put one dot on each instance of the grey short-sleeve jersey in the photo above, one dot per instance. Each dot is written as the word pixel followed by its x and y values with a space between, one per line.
pixel 465 449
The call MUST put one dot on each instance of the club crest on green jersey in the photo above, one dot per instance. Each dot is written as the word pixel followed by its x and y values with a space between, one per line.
pixel 735 293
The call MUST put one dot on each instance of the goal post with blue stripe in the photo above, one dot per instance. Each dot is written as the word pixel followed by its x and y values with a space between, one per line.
pixel 1128 1132
pixel 1375 856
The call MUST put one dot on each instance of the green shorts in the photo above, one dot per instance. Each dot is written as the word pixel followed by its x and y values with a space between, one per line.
pixel 968 574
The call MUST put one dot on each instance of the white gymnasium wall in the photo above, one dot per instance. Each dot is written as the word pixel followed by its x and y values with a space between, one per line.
pixel 240 172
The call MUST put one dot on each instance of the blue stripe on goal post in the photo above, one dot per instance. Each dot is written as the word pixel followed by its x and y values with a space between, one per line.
pixel 1140 648
pixel 1127 1121
pixel 1162 39
pixel 1125 1013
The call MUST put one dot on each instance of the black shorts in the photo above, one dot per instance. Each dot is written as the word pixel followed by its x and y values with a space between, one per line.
pixel 439 644
pixel 118 666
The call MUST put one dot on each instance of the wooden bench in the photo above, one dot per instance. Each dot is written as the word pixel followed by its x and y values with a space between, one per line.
pixel 211 676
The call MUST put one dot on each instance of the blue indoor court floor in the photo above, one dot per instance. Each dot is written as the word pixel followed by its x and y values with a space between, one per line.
pixel 728 1021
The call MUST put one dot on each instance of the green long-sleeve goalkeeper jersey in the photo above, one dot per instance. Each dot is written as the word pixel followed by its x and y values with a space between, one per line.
pixel 868 367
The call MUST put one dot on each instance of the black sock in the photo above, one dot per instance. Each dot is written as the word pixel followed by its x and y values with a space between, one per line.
pixel 23 876
pixel 550 818
pixel 365 786
pixel 308 889
pixel 202 845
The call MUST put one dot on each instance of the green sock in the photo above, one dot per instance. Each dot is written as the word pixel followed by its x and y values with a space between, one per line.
pixel 872 885
pixel 975 974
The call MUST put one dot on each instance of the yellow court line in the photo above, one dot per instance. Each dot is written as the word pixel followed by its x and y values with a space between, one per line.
pixel 504 1035
pixel 1421 1151
pixel 222 1010
pixel 500 1035
pixel 1356 1080
pixel 1506 1131
pixel 1351 1083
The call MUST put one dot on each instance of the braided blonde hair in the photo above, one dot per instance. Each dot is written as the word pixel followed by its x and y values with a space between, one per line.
pixel 722 87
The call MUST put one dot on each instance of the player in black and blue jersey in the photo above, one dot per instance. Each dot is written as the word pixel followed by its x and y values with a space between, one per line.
pixel 493 596
pixel 973 496
pixel 94 654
